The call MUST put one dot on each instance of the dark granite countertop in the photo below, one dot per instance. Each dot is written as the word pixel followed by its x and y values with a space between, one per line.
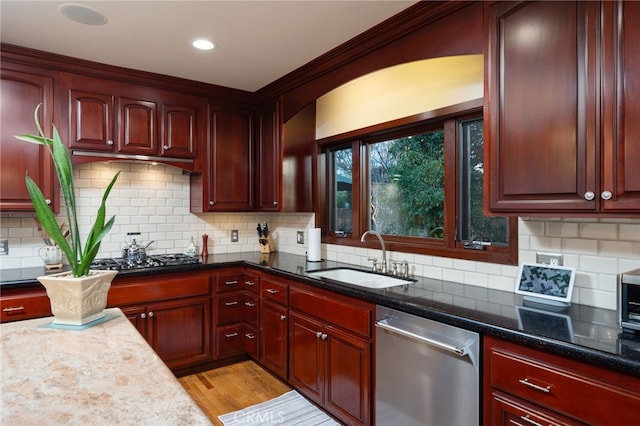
pixel 579 332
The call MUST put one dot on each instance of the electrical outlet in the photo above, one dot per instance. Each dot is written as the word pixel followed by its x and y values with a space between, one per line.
pixel 4 247
pixel 554 259
pixel 300 237
pixel 234 235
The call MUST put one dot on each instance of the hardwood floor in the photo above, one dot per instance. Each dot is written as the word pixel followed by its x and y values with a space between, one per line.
pixel 232 388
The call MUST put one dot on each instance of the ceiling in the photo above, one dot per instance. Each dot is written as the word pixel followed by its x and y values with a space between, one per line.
pixel 257 42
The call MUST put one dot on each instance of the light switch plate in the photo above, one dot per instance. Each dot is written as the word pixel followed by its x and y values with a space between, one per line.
pixel 4 247
pixel 300 237
pixel 234 235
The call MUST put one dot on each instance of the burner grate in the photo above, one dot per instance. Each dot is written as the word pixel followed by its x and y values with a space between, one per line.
pixel 154 261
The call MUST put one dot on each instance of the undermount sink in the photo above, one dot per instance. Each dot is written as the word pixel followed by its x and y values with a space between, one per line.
pixel 359 278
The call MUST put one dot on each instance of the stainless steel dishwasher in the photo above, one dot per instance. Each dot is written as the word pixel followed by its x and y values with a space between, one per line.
pixel 427 373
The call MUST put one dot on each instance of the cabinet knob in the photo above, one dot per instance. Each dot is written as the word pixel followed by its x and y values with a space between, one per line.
pixel 143 315
pixel 318 334
pixel 283 317
pixel 606 195
pixel 275 203
pixel 110 142
pixel 48 201
pixel 324 336
pixel 211 203
pixel 166 147
pixel 589 195
pixel 151 314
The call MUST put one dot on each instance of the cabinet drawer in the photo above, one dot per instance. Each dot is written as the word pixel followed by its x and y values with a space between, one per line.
pixel 230 340
pixel 229 283
pixel 127 291
pixel 20 307
pixel 276 291
pixel 512 411
pixel 576 395
pixel 230 308
pixel 350 314
pixel 251 341
pixel 251 283
pixel 251 308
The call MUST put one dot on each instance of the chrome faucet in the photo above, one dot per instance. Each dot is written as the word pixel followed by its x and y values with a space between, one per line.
pixel 384 251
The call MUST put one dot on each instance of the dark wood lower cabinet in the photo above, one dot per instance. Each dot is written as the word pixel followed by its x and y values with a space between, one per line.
pixel 178 330
pixel 173 312
pixel 527 386
pixel 274 341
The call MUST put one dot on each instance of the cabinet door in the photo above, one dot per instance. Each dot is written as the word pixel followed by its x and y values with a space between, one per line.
pixel 179 131
pixel 269 160
pixel 274 326
pixel 541 106
pixel 230 165
pixel 21 94
pixel 230 340
pixel 137 127
pixel 181 330
pixel 348 374
pixel 307 356
pixel 138 317
pixel 621 109
pixel 91 121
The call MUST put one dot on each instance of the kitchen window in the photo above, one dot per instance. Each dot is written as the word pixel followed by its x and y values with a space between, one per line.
pixel 419 185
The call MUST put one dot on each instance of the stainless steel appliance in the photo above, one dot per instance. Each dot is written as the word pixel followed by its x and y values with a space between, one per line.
pixel 427 373
pixel 629 301
pixel 155 261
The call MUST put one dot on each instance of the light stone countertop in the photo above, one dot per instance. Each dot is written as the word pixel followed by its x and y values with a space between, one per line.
pixel 103 375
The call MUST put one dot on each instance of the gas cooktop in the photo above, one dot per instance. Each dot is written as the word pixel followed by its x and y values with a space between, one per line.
pixel 154 261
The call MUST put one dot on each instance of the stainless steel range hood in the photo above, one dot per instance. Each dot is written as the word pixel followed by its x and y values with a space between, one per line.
pixel 184 163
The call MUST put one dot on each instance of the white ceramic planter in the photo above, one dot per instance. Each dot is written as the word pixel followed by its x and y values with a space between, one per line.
pixel 78 301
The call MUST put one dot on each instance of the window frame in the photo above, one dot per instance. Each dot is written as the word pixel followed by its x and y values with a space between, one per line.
pixel 449 119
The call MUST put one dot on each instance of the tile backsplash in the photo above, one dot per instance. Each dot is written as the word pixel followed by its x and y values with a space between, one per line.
pixel 154 200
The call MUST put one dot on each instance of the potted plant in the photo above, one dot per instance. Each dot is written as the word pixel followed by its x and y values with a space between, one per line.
pixel 78 296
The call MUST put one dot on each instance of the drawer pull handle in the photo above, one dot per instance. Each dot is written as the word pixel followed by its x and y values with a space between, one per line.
pixel 272 291
pixel 526 382
pixel 230 335
pixel 250 283
pixel 234 282
pixel 13 309
pixel 230 303
pixel 527 419
pixel 250 336
pixel 249 304
pixel 283 317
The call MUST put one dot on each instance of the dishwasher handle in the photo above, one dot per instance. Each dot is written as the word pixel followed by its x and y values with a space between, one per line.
pixel 461 351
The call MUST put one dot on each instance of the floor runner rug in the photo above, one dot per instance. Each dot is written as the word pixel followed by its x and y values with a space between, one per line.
pixel 289 409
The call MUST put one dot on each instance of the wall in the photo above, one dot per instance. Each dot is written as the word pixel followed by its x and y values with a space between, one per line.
pixel 155 201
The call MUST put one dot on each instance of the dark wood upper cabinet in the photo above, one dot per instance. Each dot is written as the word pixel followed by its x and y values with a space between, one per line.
pixel 91 121
pixel 179 131
pixel 22 91
pixel 621 106
pixel 548 148
pixel 137 126
pixel 269 158
pixel 226 183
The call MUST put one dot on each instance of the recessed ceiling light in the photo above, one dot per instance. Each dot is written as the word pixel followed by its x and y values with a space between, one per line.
pixel 82 14
pixel 203 44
